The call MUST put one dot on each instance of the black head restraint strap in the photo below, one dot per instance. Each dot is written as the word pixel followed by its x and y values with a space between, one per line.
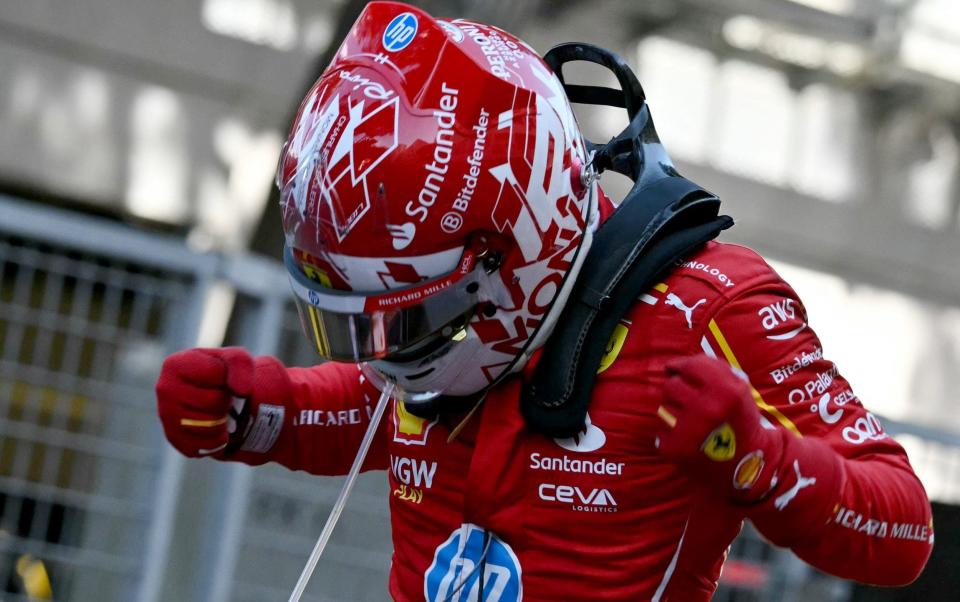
pixel 662 219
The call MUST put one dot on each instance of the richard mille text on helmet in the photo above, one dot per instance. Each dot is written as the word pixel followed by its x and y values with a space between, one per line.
pixel 587 406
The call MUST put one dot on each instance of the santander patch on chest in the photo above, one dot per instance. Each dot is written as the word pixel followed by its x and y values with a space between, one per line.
pixel 573 472
pixel 497 488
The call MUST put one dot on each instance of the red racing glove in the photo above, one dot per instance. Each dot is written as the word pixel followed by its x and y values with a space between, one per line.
pixel 222 402
pixel 711 426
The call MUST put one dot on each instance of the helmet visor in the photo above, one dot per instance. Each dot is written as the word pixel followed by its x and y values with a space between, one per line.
pixel 352 326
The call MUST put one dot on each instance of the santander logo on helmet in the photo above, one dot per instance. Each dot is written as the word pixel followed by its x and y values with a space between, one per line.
pixel 423 139
pixel 402 235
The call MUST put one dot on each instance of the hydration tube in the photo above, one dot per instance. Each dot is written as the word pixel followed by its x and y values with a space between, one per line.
pixel 342 498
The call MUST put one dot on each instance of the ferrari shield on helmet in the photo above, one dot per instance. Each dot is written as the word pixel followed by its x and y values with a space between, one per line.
pixel 434 202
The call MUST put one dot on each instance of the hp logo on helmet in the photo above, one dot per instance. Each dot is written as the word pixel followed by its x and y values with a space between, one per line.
pixel 314 297
pixel 400 32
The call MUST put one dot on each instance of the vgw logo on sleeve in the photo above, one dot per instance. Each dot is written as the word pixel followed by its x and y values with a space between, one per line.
pixel 400 32
pixel 454 575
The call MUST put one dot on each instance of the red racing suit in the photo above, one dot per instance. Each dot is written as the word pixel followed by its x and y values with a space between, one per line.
pixel 602 516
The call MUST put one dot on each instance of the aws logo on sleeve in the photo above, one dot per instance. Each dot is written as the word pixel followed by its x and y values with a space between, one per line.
pixel 782 313
pixel 409 429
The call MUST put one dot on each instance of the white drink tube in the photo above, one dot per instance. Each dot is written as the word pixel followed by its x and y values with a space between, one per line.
pixel 344 494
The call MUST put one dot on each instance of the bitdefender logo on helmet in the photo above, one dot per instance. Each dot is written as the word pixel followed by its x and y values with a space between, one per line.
pixel 400 32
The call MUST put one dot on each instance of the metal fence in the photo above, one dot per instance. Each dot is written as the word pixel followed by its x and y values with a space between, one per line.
pixel 87 487
pixel 93 503
pixel 95 506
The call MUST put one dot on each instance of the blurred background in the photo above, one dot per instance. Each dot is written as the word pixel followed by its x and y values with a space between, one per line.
pixel 137 145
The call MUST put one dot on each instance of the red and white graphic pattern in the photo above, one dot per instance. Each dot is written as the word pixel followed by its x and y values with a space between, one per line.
pixel 537 207
pixel 351 136
pixel 397 165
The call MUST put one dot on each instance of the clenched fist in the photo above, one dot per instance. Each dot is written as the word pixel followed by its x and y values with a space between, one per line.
pixel 211 401
pixel 712 427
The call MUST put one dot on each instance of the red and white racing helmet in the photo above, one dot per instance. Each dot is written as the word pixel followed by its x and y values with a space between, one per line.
pixel 433 202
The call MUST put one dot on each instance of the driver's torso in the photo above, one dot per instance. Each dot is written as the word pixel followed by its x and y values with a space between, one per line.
pixel 595 517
